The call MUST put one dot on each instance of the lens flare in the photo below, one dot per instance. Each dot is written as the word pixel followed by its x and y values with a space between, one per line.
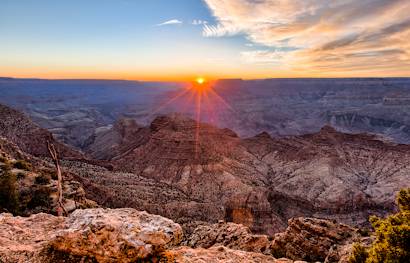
pixel 200 80
pixel 201 99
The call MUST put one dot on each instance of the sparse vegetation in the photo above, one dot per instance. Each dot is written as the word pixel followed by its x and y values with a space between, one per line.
pixel 20 175
pixel 3 159
pixel 51 173
pixel 359 254
pixel 22 164
pixel 9 199
pixel 40 198
pixel 42 179
pixel 392 242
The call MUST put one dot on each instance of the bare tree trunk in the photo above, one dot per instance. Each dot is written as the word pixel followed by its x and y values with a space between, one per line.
pixel 60 208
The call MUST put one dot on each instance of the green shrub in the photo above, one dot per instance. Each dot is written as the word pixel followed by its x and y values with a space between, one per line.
pixel 392 242
pixel 21 164
pixel 364 232
pixel 9 198
pixel 403 200
pixel 359 254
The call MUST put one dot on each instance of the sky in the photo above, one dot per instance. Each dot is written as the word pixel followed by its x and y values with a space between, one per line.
pixel 183 39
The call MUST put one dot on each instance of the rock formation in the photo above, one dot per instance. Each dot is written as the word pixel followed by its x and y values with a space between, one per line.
pixel 260 181
pixel 74 109
pixel 121 235
pixel 313 240
pixel 217 255
pixel 107 144
pixel 107 235
pixel 28 136
pixel 230 235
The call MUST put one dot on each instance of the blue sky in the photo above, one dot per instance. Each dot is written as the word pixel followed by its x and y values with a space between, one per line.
pixel 107 38
pixel 157 39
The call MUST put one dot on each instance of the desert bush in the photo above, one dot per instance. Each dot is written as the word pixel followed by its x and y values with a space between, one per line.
pixel 359 254
pixel 392 242
pixel 364 232
pixel 42 179
pixel 9 198
pixel 40 198
pixel 3 159
pixel 50 173
pixel 403 200
pixel 22 164
pixel 20 175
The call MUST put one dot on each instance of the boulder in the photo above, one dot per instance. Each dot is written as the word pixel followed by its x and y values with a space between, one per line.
pixel 234 236
pixel 96 235
pixel 313 239
pixel 218 254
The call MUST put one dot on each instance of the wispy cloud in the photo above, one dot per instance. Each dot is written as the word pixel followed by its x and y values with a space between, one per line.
pixel 198 22
pixel 319 35
pixel 262 57
pixel 170 22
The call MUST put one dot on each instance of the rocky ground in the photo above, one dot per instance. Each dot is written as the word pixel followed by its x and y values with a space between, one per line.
pixel 128 235
pixel 29 184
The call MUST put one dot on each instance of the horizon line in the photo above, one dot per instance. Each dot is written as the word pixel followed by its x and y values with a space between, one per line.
pixel 184 81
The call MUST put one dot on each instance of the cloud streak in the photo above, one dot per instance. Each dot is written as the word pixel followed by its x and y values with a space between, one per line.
pixel 319 35
pixel 170 22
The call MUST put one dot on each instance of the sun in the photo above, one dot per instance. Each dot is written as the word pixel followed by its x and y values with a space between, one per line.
pixel 200 80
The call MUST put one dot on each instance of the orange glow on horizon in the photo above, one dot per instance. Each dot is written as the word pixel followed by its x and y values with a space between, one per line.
pixel 180 76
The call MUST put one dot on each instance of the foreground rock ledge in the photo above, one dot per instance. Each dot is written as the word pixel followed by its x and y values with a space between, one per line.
pixel 111 235
pixel 230 235
pixel 217 254
pixel 93 235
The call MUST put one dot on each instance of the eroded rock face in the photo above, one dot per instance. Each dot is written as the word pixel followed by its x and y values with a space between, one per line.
pixel 119 234
pixel 313 239
pixel 230 235
pixel 23 238
pixel 100 235
pixel 217 254
pixel 259 182
pixel 106 144
pixel 127 235
pixel 28 136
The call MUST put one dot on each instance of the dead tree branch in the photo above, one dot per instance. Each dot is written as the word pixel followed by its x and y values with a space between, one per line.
pixel 60 207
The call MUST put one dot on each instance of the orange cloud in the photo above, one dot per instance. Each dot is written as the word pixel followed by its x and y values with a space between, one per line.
pixel 368 37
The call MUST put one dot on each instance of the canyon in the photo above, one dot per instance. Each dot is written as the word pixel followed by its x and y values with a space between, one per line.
pixel 257 192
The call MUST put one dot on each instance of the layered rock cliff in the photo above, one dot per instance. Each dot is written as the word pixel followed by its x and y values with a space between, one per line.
pixel 28 136
pixel 260 182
